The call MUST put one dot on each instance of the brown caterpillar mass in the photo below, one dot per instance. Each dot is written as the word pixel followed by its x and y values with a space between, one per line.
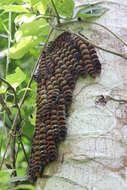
pixel 62 62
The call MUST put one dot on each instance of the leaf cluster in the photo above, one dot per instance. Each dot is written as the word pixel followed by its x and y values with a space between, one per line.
pixel 24 29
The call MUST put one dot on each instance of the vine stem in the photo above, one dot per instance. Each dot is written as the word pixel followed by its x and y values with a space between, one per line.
pixel 95 45
pixel 14 92
pixel 106 28
pixel 36 65
pixel 6 73
pixel 9 40
pixel 7 63
pixel 3 36
pixel 101 48
pixel 5 107
pixel 95 23
pixel 56 12
pixel 8 142
pixel 13 129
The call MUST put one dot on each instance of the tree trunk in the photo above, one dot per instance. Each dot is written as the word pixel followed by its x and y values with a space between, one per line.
pixel 94 154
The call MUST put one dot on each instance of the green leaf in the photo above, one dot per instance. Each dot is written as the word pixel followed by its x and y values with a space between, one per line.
pixel 91 11
pixel 24 18
pixel 6 2
pixel 26 1
pixel 14 8
pixel 9 2
pixel 39 33
pixel 35 28
pixel 23 89
pixel 34 1
pixel 22 47
pixel 33 118
pixel 65 7
pixel 26 187
pixel 38 7
pixel 2 89
pixel 44 2
pixel 4 176
pixel 17 78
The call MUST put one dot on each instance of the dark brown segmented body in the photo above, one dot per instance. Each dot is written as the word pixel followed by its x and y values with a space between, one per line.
pixel 86 58
pixel 94 57
pixel 62 61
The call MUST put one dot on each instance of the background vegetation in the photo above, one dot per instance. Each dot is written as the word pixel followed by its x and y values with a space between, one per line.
pixel 25 26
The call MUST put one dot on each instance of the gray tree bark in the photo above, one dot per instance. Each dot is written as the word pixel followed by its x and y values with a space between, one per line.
pixel 94 154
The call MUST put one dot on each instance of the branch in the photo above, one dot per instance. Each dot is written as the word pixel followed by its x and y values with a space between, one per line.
pixel 57 15
pixel 22 146
pixel 101 99
pixel 121 101
pixel 9 41
pixel 8 142
pixel 88 40
pixel 5 107
pixel 101 25
pixel 13 153
pixel 49 17
pixel 24 151
pixel 36 65
pixel 47 176
pixel 99 47
pixel 3 36
pixel 14 92
pixel 13 129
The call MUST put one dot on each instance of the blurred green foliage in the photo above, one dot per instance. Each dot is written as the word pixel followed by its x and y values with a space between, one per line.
pixel 24 24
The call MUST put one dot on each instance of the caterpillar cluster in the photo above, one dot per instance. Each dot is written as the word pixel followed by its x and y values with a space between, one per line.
pixel 62 61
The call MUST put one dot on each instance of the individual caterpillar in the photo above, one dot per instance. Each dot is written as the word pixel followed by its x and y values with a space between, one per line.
pixel 63 83
pixel 94 58
pixel 86 58
pixel 64 37
pixel 62 62
pixel 39 139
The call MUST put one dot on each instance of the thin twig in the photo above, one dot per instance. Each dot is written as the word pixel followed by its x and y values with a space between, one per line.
pixel 9 136
pixel 24 151
pixel 57 15
pixel 16 102
pixel 36 65
pixel 5 28
pixel 26 91
pixel 14 92
pixel 13 153
pixel 121 101
pixel 49 17
pixel 46 176
pixel 22 101
pixel 17 150
pixel 95 23
pixel 8 142
pixel 95 45
pixel 3 36
pixel 99 47
pixel 22 146
pixel 5 107
pixel 106 28
pixel 8 61
pixel 9 41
